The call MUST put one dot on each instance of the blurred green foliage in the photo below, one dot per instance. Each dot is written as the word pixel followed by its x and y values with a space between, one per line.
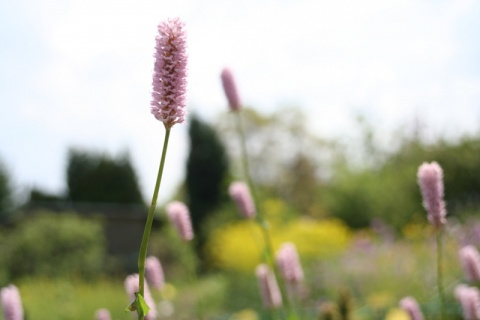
pixel 389 190
pixel 53 245
pixel 96 177
pixel 68 299
pixel 359 179
pixel 375 274
pixel 6 200
pixel 206 182
pixel 285 158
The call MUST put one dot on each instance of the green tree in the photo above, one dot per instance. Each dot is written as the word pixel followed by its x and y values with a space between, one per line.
pixel 6 201
pixel 38 195
pixel 94 177
pixel 206 177
pixel 386 186
pixel 286 160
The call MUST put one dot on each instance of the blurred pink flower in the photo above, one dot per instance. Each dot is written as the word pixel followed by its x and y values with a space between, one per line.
pixel 269 290
pixel 102 314
pixel 430 179
pixel 240 193
pixel 170 73
pixel 230 88
pixel 11 303
pixel 154 272
pixel 469 298
pixel 410 306
pixel 180 217
pixel 470 260
pixel 131 286
pixel 289 263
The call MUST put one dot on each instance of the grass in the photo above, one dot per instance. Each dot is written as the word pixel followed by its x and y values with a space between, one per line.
pixel 73 299
pixel 63 299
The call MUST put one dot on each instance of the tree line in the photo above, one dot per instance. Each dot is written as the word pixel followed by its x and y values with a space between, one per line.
pixel 316 177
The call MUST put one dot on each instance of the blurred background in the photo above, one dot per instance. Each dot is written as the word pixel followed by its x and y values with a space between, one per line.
pixel 343 102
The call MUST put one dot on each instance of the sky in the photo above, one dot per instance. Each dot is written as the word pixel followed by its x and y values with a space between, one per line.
pixel 77 73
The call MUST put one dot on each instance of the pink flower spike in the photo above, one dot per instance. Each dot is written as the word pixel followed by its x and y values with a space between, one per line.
pixel 102 314
pixel 131 286
pixel 410 306
pixel 170 73
pixel 470 260
pixel 11 303
pixel 240 193
pixel 469 298
pixel 430 179
pixel 230 88
pixel 180 217
pixel 269 290
pixel 154 272
pixel 289 263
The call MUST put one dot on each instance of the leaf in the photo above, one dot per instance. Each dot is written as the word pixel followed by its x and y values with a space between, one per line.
pixel 132 307
pixel 142 307
pixel 139 305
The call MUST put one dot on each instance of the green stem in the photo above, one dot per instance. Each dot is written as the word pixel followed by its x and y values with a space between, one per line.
pixel 148 226
pixel 261 221
pixel 194 279
pixel 441 292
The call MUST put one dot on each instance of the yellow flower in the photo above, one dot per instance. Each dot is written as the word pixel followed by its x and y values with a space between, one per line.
pixel 397 314
pixel 239 246
pixel 246 314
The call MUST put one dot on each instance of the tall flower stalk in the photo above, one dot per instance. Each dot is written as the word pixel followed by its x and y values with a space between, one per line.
pixel 234 102
pixel 430 180
pixel 167 105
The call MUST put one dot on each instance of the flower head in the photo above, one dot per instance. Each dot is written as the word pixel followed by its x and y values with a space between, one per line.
pixel 154 272
pixel 289 263
pixel 180 217
pixel 102 314
pixel 11 303
pixel 430 179
pixel 170 73
pixel 241 195
pixel 469 298
pixel 230 88
pixel 410 306
pixel 131 286
pixel 268 287
pixel 470 260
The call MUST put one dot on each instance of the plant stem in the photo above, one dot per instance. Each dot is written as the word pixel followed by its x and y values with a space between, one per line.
pixel 441 292
pixel 260 219
pixel 148 226
pixel 194 279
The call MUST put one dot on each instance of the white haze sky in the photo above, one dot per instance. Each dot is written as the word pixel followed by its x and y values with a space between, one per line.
pixel 78 72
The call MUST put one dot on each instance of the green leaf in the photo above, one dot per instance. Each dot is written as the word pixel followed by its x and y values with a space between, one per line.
pixel 132 307
pixel 142 307
pixel 139 305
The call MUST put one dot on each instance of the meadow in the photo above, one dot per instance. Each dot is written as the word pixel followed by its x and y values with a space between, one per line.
pixel 371 270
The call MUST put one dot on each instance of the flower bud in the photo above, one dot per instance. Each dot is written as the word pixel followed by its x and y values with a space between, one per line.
pixel 170 73
pixel 241 195
pixel 180 217
pixel 230 88
pixel 269 289
pixel 430 179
